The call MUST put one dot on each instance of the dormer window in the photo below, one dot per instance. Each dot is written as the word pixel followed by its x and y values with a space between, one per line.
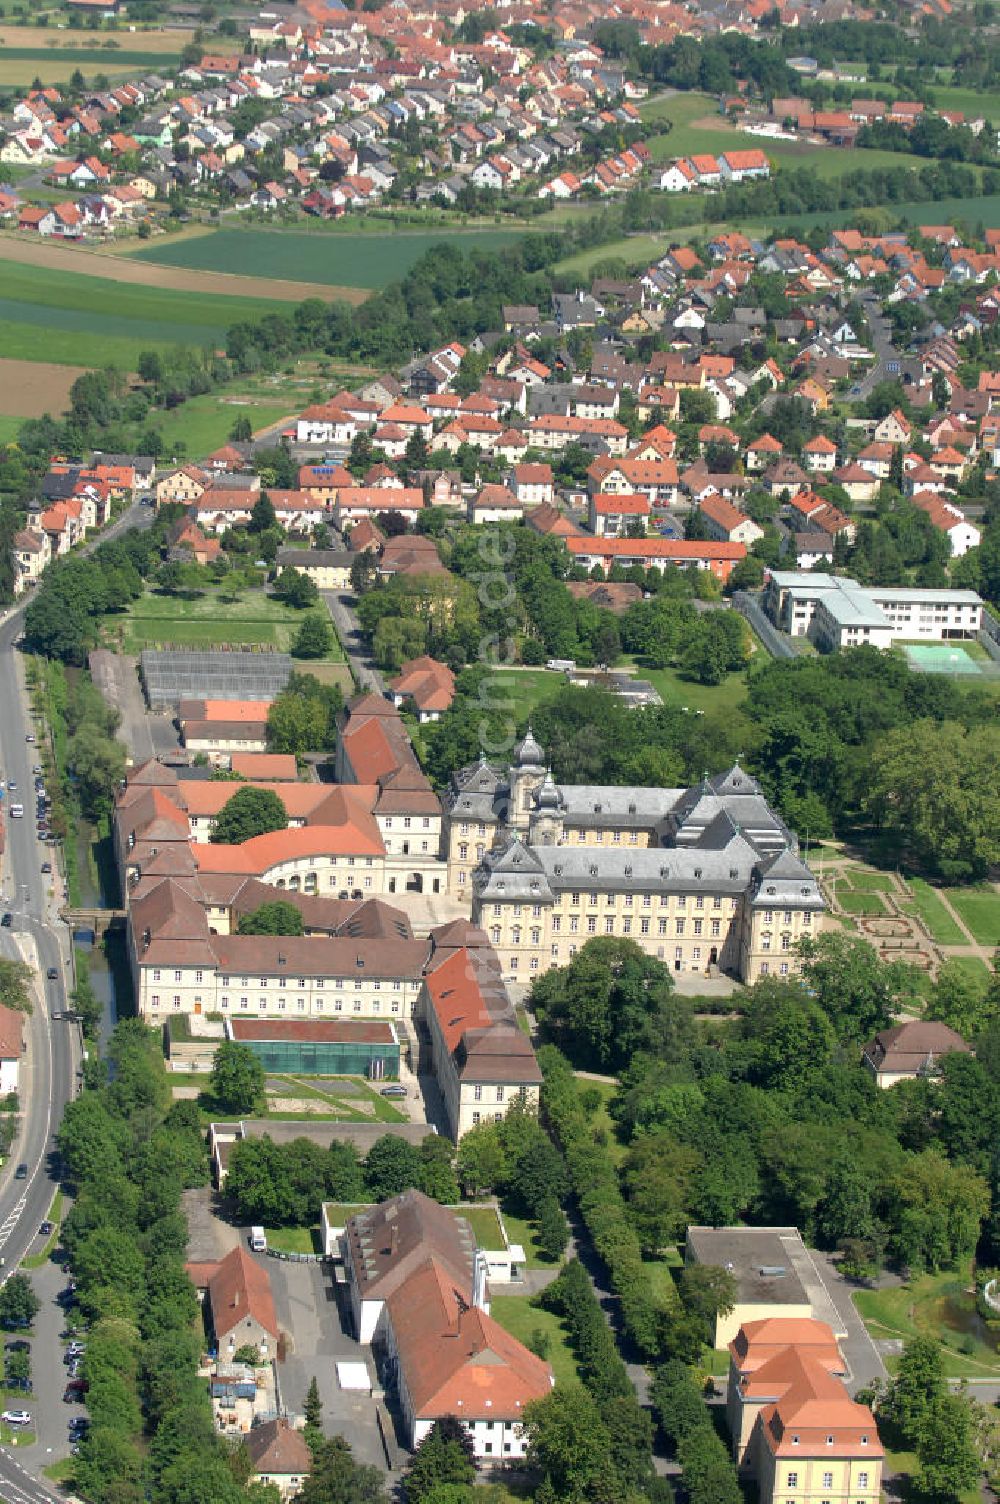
pixel 829 1441
pixel 697 872
pixel 795 1441
pixel 772 890
pixel 628 871
pixel 593 871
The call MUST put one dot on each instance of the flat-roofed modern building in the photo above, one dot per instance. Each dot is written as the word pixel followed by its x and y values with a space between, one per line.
pixel 321 1046
pixel 774 1272
pixel 836 612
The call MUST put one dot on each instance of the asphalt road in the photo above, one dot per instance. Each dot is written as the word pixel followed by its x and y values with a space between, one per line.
pixel 885 350
pixel 48 1070
pixel 340 605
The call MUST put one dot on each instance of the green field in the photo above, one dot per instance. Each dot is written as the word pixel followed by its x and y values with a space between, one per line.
pixel 371 259
pixel 517 1316
pixel 203 424
pixel 206 621
pixel 673 689
pixel 518 691
pixel 697 126
pixel 9 428
pixel 977 971
pixel 294 1239
pixel 73 319
pixel 971 102
pixel 980 909
pixel 932 911
pixel 861 903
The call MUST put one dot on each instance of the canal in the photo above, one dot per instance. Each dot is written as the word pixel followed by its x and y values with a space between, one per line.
pixel 98 886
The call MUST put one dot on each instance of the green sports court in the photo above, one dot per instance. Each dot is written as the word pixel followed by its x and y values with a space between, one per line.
pixel 940 658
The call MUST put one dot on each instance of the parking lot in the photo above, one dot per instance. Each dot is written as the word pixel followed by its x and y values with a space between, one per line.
pixel 308 1313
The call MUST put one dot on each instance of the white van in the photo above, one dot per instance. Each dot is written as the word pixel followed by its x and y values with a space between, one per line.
pixel 258 1240
pixel 16 811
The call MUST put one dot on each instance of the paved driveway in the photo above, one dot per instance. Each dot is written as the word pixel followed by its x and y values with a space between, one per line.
pixel 862 1355
pixel 308 1313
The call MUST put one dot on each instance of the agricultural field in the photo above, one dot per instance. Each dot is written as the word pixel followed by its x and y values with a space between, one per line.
pixel 63 317
pixel 973 103
pixel 29 388
pixel 207 621
pixel 367 260
pixel 52 54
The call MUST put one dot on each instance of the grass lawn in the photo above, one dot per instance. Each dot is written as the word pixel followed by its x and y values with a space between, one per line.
pixel 980 908
pixel 932 911
pixel 662 1281
pixel 484 1224
pixel 860 903
pixel 519 1230
pixel 865 880
pixel 16 1436
pixel 601 1120
pixel 9 428
pixel 518 691
pixel 370 259
pixel 294 1239
pixel 320 1091
pixel 975 969
pixel 73 319
pixel 203 424
pixel 518 1316
pixel 935 1305
pixel 207 621
pixel 62 1472
pixel 676 690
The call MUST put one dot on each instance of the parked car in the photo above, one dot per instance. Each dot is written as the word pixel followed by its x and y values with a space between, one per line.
pixel 53 973
pixel 7 920
pixel 16 1417
pixel 30 737
pixel 21 1173
pixel 46 866
pixel 394 1091
pixel 45 1229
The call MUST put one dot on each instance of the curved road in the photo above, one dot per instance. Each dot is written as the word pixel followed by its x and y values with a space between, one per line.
pixel 48 1069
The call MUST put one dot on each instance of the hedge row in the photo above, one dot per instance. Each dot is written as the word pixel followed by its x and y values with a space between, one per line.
pixel 686 1422
pixel 604 1374
pixel 595 1184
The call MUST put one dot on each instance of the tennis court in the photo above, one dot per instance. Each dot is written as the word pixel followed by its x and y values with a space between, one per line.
pixel 940 658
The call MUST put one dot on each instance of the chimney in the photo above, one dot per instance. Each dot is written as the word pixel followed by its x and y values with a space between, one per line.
pixel 393 1239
